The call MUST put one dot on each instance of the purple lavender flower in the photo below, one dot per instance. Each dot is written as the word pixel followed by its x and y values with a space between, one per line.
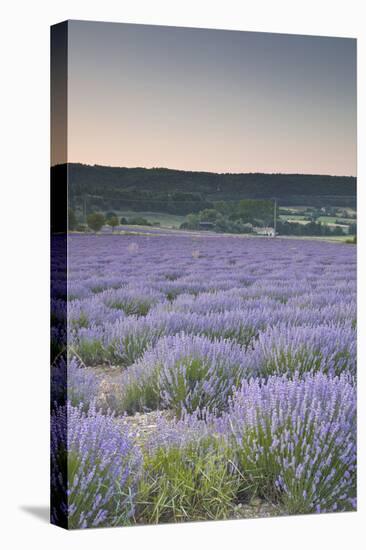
pixel 326 348
pixel 95 465
pixel 82 384
pixel 189 372
pixel 297 435
pixel 190 319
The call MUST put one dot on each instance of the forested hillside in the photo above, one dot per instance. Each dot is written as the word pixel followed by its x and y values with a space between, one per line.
pixel 180 192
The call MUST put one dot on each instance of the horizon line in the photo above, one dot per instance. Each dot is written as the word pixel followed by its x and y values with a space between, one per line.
pixel 204 171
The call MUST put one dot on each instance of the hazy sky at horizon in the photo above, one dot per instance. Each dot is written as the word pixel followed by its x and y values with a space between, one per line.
pixel 220 101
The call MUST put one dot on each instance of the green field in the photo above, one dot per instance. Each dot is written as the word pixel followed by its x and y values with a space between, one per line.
pixel 322 219
pixel 333 219
pixel 293 218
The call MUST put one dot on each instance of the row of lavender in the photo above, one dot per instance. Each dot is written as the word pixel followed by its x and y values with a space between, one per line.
pixel 247 345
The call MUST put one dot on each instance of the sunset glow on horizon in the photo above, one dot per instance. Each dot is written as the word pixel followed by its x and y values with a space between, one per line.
pixel 211 100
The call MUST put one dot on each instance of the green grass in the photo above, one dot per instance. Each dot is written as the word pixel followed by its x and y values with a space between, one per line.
pixel 334 219
pixel 188 483
pixel 294 219
pixel 336 238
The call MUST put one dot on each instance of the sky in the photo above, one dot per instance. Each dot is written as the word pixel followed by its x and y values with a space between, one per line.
pixel 211 100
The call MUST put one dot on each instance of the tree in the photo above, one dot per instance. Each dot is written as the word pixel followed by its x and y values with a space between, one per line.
pixel 110 215
pixel 112 222
pixel 138 220
pixel 208 215
pixel 124 221
pixel 192 221
pixel 96 220
pixel 225 208
pixel 72 222
pixel 253 210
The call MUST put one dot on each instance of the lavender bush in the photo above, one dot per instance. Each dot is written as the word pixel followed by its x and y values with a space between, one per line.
pixel 245 351
pixel 184 373
pixel 296 440
pixel 70 381
pixel 283 349
pixel 95 468
pixel 82 385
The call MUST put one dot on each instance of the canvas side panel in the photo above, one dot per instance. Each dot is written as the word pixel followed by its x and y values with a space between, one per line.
pixel 59 40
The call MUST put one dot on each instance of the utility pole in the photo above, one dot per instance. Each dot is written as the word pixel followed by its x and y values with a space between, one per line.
pixel 84 209
pixel 275 218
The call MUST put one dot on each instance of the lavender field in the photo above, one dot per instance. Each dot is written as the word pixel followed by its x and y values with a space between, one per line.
pixel 208 377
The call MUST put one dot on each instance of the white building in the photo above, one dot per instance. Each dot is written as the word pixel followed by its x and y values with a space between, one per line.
pixel 265 231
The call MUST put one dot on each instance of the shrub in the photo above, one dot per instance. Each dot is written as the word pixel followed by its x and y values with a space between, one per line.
pixel 94 468
pixel 91 352
pixel 185 373
pixel 286 350
pixel 88 345
pixel 188 483
pixel 138 220
pixel 70 381
pixel 82 385
pixel 89 312
pixel 134 391
pixel 127 340
pixel 197 373
pixel 296 440
pixel 132 301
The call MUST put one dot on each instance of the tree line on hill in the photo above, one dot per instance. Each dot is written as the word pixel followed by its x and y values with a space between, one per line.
pixel 102 188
